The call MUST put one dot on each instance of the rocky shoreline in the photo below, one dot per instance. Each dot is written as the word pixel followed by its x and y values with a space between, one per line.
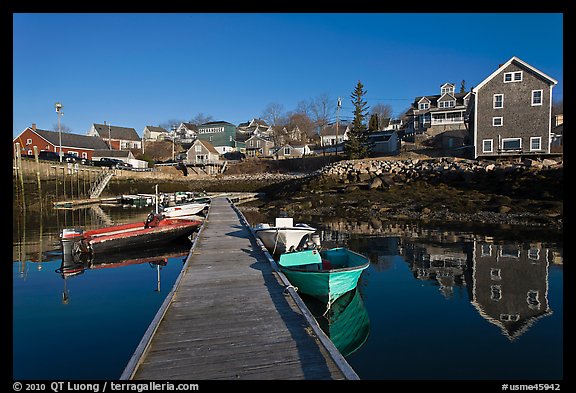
pixel 442 190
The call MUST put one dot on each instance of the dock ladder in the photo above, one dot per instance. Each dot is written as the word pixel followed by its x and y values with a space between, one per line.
pixel 100 183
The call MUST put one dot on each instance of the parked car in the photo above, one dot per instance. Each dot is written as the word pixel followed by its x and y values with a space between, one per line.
pixel 113 163
pixel 68 157
pixel 48 155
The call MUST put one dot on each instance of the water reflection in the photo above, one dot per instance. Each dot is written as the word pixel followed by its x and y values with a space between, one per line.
pixel 505 281
pixel 76 264
pixel 510 285
pixel 346 323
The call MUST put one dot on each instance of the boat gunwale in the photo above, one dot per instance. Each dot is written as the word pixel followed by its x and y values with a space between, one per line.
pixel 297 268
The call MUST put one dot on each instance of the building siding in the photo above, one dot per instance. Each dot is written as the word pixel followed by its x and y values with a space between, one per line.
pixel 519 118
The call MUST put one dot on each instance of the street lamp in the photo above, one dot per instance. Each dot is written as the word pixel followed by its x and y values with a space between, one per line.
pixel 59 107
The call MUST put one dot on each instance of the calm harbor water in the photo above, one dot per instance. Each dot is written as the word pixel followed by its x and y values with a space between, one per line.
pixel 435 304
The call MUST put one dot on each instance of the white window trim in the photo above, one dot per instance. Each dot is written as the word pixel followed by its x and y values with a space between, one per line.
pixel 513 76
pixel 28 141
pixel 511 139
pixel 491 146
pixel 423 105
pixel 541 97
pixel 539 138
pixel 494 121
pixel 494 101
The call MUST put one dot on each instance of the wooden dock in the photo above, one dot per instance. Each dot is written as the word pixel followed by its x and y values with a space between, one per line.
pixel 232 316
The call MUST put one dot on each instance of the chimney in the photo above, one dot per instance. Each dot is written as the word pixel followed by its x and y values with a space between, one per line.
pixel 104 122
pixel 34 126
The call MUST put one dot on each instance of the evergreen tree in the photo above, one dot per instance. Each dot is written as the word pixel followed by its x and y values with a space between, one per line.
pixel 357 144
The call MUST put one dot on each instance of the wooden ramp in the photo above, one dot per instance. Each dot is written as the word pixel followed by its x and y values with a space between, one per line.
pixel 231 318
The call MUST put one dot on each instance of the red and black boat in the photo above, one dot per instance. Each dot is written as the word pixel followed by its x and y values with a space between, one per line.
pixel 156 230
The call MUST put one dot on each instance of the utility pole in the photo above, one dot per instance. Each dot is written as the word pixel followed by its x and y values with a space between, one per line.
pixel 59 107
pixel 337 121
pixel 109 137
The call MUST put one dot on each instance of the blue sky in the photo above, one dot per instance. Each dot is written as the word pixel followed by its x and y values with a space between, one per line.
pixel 141 69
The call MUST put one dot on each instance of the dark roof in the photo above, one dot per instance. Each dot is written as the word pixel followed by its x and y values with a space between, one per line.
pixel 191 126
pixel 215 122
pixel 156 129
pixel 461 133
pixel 434 99
pixel 73 140
pixel 116 132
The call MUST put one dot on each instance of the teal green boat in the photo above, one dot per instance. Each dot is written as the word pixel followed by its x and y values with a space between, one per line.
pixel 325 275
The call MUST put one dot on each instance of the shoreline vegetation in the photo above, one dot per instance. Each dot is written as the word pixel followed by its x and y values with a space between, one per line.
pixel 431 190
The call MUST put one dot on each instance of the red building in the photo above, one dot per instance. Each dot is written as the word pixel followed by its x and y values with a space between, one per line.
pixel 79 145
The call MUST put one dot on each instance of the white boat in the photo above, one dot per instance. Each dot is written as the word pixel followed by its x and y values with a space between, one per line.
pixel 284 236
pixel 184 209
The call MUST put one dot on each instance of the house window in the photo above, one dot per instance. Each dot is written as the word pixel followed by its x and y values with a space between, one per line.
pixel 487 146
pixel 424 105
pixel 198 148
pixel 536 97
pixel 498 101
pixel 28 141
pixel 511 144
pixel 447 104
pixel 535 143
pixel 497 121
pixel 509 251
pixel 534 254
pixel 286 151
pixel 486 250
pixel 495 292
pixel 257 143
pixel 447 89
pixel 513 76
pixel 533 299
pixel 495 274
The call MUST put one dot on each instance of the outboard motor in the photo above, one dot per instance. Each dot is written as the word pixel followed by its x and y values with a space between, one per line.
pixel 69 237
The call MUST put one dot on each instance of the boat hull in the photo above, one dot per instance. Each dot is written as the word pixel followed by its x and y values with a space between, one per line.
pixel 136 235
pixel 188 209
pixel 338 272
pixel 280 240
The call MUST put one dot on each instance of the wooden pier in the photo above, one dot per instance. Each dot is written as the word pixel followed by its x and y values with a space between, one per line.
pixel 231 316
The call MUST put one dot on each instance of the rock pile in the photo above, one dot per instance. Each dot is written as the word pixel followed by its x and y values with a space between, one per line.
pixel 381 173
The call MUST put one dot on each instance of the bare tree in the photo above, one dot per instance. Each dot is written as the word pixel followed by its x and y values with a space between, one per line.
pixel 63 128
pixel 172 124
pixel 322 109
pixel 384 111
pixel 273 114
pixel 201 118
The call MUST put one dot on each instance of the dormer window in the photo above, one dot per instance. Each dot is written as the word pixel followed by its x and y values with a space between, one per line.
pixel 447 104
pixel 424 105
pixel 447 88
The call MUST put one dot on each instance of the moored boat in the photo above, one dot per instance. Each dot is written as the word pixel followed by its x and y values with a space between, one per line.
pixel 325 274
pixel 284 236
pixel 156 230
pixel 184 209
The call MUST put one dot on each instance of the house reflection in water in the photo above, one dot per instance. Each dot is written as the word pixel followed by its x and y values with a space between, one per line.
pixel 510 285
pixel 443 264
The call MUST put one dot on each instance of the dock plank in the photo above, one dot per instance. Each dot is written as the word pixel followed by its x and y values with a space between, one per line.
pixel 230 317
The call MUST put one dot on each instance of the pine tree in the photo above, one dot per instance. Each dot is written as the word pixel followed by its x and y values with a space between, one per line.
pixel 357 144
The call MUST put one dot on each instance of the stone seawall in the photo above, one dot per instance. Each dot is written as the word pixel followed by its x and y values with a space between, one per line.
pixel 387 172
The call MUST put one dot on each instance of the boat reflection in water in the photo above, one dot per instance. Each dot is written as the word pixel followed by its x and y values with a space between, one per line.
pixel 346 323
pixel 76 264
